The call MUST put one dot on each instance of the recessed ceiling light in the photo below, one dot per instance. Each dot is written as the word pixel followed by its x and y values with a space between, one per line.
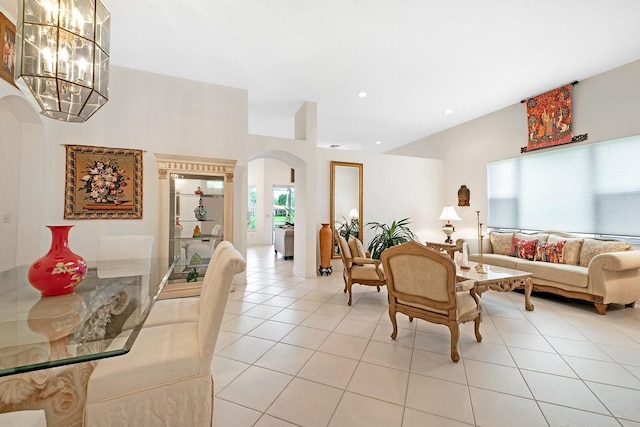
pixel 378 142
pixel 362 94
pixel 448 111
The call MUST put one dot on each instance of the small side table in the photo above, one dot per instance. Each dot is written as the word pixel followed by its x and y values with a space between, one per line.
pixel 448 248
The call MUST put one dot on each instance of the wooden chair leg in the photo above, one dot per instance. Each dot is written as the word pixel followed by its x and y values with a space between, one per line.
pixel 394 322
pixel 455 335
pixel 631 304
pixel 477 322
pixel 349 285
pixel 378 288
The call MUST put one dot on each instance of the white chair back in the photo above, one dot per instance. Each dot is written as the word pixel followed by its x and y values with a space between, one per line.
pixel 216 288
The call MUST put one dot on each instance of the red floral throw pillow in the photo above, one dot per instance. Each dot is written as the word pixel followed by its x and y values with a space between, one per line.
pixel 523 248
pixel 550 252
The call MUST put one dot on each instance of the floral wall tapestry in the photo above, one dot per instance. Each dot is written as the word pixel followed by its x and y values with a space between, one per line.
pixel 549 118
pixel 103 183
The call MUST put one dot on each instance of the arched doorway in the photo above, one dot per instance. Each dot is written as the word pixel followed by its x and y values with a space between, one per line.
pixel 304 259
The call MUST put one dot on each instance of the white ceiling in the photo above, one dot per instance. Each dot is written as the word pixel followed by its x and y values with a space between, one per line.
pixel 415 58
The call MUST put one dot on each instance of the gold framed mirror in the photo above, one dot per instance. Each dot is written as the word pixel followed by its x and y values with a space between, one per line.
pixel 346 200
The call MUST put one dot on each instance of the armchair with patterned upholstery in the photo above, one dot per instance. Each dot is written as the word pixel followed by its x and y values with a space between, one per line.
pixel 358 267
pixel 422 283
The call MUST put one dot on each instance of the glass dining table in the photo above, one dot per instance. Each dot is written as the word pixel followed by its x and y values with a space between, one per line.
pixel 50 345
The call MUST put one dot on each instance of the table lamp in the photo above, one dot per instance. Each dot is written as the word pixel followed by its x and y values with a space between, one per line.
pixel 449 214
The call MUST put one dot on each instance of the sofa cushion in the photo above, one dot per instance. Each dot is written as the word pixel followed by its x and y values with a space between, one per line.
pixel 521 248
pixel 540 236
pixel 501 242
pixel 549 252
pixel 572 275
pixel 571 249
pixel 593 247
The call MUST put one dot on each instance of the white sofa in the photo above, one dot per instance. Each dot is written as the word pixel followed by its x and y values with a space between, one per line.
pixel 600 271
pixel 283 241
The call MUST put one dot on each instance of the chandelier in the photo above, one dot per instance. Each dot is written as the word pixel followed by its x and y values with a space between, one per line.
pixel 62 56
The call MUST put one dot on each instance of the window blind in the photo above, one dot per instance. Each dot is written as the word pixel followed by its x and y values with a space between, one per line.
pixel 592 189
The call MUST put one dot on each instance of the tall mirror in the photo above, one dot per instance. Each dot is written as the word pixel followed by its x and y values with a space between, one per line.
pixel 346 200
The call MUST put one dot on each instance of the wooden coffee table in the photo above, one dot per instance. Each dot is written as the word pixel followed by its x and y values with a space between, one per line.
pixel 498 279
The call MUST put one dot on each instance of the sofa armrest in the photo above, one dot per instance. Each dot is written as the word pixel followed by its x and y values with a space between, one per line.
pixel 615 261
pixel 473 245
pixel 615 276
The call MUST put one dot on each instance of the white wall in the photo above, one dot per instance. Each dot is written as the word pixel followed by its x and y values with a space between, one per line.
pixel 9 192
pixel 394 187
pixel 605 107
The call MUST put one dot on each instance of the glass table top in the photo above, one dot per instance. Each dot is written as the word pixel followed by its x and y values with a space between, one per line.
pixel 101 318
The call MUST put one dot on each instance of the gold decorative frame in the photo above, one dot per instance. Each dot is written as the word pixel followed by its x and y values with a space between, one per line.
pixel 103 183
pixel 7 38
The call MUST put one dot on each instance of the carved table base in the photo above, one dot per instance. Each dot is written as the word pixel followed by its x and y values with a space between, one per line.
pixel 506 285
pixel 61 392
pixel 498 279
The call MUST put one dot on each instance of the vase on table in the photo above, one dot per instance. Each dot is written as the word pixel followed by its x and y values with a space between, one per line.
pixel 60 270
pixel 325 250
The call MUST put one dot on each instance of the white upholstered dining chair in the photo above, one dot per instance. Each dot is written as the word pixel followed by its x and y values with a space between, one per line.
pixel 166 378
pixel 187 309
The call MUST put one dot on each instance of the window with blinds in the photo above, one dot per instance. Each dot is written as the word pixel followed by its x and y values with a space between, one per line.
pixel 591 189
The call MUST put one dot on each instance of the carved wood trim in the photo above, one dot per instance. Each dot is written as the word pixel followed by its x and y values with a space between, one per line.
pixel 568 294
pixel 197 165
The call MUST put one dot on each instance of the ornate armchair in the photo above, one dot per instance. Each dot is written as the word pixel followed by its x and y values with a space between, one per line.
pixel 358 268
pixel 422 283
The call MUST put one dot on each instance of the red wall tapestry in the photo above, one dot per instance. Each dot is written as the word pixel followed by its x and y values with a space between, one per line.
pixel 549 118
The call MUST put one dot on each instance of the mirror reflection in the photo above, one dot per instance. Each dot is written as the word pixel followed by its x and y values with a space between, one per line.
pixel 346 200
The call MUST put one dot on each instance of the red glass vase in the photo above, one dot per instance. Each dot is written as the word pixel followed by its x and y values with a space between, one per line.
pixel 60 270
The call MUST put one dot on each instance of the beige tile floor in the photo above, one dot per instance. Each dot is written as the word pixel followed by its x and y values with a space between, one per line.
pixel 291 352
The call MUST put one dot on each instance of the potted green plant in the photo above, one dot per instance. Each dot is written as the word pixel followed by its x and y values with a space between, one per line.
pixel 389 235
pixel 349 228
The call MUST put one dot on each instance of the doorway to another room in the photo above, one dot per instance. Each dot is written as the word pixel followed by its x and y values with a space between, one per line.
pixel 283 207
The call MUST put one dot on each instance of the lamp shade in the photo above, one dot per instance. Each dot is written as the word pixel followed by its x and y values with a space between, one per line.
pixel 353 213
pixel 449 214
pixel 62 56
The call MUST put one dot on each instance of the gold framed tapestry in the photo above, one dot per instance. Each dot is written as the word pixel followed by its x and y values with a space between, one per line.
pixel 549 118
pixel 8 39
pixel 103 183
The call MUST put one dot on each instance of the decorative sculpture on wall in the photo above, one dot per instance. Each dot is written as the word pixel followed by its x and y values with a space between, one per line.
pixel 464 196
